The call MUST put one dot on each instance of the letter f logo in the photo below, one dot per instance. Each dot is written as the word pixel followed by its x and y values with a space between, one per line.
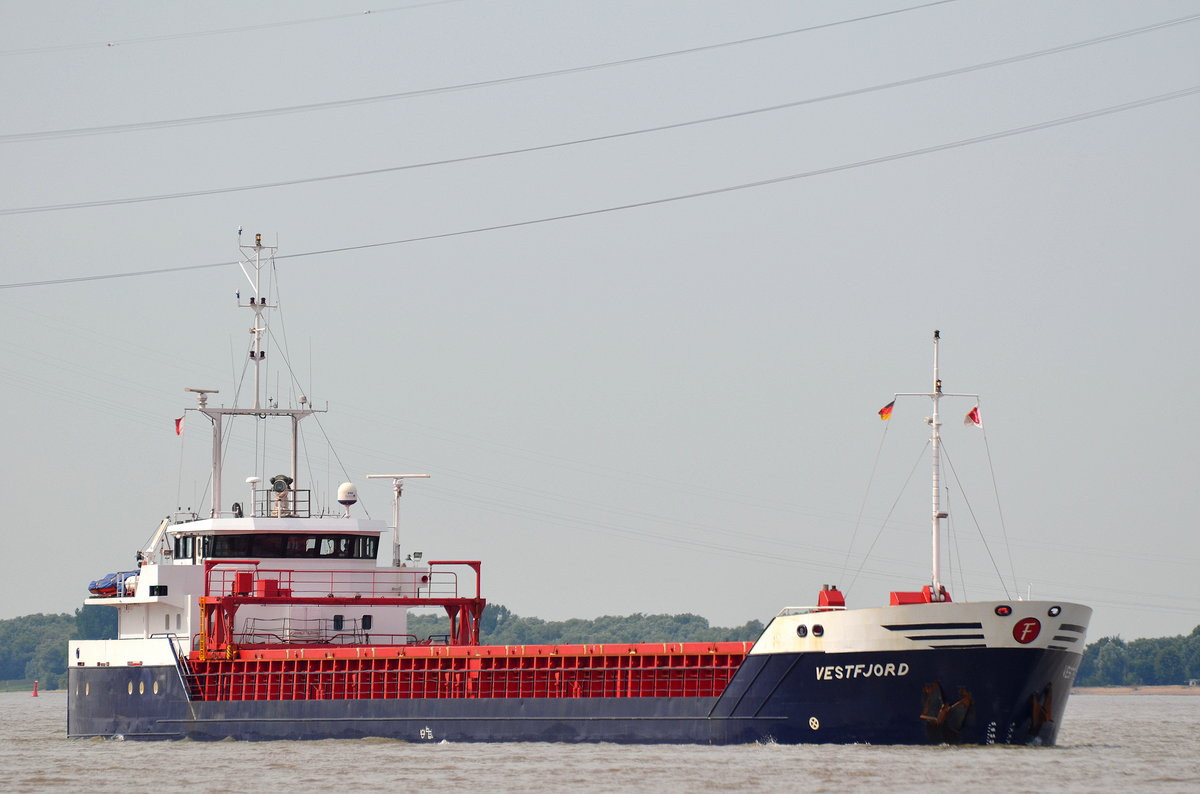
pixel 1027 630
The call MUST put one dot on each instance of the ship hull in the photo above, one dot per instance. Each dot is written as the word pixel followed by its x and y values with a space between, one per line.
pixel 971 696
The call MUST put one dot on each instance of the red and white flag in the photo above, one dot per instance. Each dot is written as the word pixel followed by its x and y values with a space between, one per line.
pixel 179 426
pixel 972 417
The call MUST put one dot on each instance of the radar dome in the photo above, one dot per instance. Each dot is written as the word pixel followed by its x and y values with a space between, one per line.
pixel 347 494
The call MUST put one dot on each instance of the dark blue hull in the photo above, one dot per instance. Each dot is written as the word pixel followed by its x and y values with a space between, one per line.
pixel 972 696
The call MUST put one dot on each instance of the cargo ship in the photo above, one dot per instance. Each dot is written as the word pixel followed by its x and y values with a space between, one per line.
pixel 270 618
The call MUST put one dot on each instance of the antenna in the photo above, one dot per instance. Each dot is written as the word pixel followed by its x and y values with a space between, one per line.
pixel 397 490
pixel 202 394
pixel 254 257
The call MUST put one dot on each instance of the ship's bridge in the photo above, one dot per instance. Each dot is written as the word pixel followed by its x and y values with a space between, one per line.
pixel 338 540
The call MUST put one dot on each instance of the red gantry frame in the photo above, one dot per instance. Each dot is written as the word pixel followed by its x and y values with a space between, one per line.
pixel 230 584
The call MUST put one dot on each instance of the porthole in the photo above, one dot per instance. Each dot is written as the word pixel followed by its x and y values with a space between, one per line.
pixel 1054 611
pixel 156 687
pixel 87 688
pixel 818 630
pixel 141 687
pixel 1004 610
pixel 130 687
pixel 802 630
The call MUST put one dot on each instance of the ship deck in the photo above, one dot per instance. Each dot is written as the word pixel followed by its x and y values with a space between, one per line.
pixel 464 671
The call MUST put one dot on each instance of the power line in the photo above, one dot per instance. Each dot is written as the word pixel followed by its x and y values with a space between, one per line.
pixel 941 147
pixel 92 45
pixel 607 137
pixel 342 103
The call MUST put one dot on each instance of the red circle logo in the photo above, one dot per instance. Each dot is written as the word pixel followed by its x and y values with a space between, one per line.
pixel 1027 630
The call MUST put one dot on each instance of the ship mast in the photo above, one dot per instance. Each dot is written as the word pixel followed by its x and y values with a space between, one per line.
pixel 257 303
pixel 256 257
pixel 935 443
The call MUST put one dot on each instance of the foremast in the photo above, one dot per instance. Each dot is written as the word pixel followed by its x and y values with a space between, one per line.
pixel 936 591
pixel 253 259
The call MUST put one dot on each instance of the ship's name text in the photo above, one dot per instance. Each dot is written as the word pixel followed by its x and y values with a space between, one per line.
pixel 831 672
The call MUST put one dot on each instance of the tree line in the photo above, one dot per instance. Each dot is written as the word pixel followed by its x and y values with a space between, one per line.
pixel 35 646
pixel 1111 661
pixel 499 626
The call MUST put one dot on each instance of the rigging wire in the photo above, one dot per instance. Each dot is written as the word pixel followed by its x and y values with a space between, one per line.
pixel 179 477
pixel 891 510
pixel 342 103
pixel 560 521
pixel 329 446
pixel 999 508
pixel 888 158
pixel 956 545
pixel 591 139
pixel 281 345
pixel 975 519
pixel 863 506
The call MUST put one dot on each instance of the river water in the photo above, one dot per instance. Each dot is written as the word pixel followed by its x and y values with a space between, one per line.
pixel 1107 743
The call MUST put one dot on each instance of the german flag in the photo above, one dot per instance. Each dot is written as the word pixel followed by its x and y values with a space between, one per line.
pixel 885 413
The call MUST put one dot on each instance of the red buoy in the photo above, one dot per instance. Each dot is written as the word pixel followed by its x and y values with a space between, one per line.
pixel 35 683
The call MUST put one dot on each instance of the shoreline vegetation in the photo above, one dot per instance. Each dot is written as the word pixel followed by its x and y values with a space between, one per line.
pixel 1165 689
pixel 35 646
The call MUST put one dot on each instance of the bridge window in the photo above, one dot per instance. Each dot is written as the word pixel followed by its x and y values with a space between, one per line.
pixel 278 545
pixel 183 546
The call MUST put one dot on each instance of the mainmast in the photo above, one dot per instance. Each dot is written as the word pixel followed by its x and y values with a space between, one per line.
pixel 258 303
pixel 254 257
pixel 935 443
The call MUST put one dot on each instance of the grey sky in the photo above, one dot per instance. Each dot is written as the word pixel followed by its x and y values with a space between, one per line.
pixel 661 409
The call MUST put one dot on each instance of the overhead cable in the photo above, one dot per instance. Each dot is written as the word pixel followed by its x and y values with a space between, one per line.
pixel 342 103
pixel 941 147
pixel 93 45
pixel 596 138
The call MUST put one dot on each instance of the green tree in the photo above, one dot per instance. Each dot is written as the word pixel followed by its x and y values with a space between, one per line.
pixel 1168 666
pixel 20 639
pixel 494 616
pixel 94 622
pixel 1110 663
pixel 48 663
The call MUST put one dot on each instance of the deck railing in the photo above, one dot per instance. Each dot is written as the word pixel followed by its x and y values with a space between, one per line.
pixel 247 578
